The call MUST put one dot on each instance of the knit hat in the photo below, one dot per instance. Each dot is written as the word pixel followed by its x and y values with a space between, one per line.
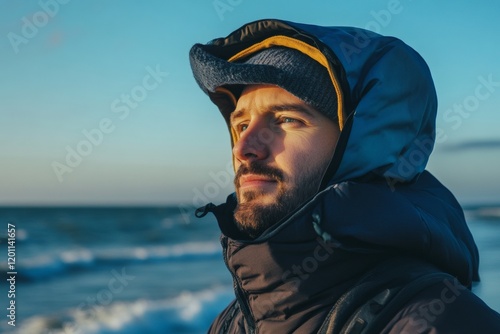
pixel 287 68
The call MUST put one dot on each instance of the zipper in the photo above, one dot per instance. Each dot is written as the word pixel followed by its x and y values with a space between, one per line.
pixel 238 290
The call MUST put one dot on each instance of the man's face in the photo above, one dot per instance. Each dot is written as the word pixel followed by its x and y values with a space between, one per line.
pixel 282 149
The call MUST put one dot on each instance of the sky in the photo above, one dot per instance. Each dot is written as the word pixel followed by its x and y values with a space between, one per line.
pixel 98 105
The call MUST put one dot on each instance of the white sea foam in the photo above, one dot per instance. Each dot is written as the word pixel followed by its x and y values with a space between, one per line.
pixel 190 312
pixel 46 266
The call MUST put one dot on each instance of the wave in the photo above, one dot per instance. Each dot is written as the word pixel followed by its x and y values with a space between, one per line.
pixel 46 266
pixel 190 312
pixel 485 212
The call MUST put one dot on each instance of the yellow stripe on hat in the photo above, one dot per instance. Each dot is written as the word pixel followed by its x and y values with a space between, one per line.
pixel 309 50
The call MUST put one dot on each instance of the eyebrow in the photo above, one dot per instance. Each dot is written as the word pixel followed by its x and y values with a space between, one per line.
pixel 275 108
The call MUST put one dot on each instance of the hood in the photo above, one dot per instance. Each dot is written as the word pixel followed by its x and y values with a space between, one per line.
pixel 376 198
pixel 386 97
pixel 386 108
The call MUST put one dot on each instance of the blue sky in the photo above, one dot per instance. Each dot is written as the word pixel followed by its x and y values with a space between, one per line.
pixel 118 72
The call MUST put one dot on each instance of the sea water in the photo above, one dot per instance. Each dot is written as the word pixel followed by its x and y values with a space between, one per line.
pixel 144 270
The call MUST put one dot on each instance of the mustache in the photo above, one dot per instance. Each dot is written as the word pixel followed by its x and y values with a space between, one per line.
pixel 258 168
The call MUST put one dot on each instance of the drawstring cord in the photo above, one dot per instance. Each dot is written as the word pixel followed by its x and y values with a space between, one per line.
pixel 202 211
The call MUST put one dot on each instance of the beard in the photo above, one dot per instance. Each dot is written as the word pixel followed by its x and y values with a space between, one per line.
pixel 252 217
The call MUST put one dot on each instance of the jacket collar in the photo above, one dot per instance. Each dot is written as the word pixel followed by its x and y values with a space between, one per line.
pixel 289 280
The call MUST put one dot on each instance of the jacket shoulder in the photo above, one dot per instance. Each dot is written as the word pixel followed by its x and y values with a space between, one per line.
pixel 445 307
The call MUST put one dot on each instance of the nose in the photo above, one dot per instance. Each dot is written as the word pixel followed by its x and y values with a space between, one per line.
pixel 253 143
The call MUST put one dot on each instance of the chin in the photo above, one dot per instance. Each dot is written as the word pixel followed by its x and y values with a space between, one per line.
pixel 257 197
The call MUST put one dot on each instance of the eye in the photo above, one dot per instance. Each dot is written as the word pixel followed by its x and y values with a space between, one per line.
pixel 241 127
pixel 288 120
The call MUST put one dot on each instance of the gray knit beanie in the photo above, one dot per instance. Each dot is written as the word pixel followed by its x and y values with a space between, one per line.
pixel 287 68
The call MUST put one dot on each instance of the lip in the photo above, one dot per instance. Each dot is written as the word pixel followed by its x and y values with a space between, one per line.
pixel 252 180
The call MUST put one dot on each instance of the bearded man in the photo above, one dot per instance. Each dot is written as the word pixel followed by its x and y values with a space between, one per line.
pixel 335 225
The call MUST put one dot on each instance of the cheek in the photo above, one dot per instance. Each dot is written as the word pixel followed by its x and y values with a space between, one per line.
pixel 303 153
pixel 295 156
pixel 322 146
pixel 236 164
pixel 306 145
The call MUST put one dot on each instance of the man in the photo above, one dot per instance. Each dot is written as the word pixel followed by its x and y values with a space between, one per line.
pixel 335 225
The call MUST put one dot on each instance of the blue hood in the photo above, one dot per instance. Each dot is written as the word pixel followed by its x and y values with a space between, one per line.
pixel 387 99
pixel 393 103
pixel 376 190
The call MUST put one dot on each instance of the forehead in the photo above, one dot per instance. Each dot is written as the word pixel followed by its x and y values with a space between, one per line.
pixel 264 91
pixel 269 98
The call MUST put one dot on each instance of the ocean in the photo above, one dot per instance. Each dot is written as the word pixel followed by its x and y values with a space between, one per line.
pixel 103 270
